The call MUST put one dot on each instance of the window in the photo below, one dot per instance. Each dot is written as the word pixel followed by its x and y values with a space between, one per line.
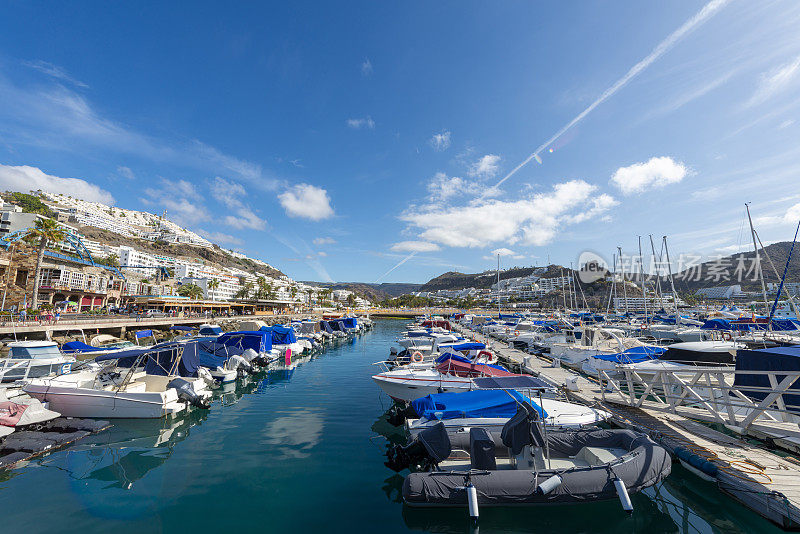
pixel 22 277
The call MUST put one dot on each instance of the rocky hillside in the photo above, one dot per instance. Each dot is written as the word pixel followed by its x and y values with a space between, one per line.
pixel 372 292
pixel 213 255
pixel 456 280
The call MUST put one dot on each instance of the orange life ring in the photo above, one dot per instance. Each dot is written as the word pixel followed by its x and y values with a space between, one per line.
pixel 726 336
pixel 516 333
pixel 417 357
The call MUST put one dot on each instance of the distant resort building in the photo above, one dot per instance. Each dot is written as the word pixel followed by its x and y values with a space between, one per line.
pixel 722 292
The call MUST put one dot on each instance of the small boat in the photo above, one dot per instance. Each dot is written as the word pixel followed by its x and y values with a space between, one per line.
pixel 33 359
pixel 22 413
pixel 528 465
pixel 137 383
pixel 491 410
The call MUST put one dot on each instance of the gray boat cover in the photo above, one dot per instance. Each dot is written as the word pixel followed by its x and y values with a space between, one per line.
pixel 644 465
pixel 522 429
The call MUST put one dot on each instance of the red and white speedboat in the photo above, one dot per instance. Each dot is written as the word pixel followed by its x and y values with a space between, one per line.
pixel 451 375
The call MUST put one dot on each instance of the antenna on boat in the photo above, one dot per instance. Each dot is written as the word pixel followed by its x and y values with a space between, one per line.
pixel 758 257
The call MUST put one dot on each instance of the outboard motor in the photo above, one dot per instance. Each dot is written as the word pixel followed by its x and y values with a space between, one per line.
pixel 242 367
pixel 397 414
pixel 187 394
pixel 424 452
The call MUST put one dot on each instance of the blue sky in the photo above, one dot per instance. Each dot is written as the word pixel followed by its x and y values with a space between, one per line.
pixel 366 141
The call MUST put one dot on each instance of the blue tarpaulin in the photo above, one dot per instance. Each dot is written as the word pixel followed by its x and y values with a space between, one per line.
pixel 78 346
pixel 773 359
pixel 282 335
pixel 716 324
pixel 487 403
pixel 633 355
pixel 468 346
pixel 259 341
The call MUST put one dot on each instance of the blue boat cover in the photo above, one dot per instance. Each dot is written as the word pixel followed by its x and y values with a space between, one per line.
pixel 479 403
pixel 472 345
pixel 716 324
pixel 210 330
pixel 143 333
pixel 773 359
pixel 259 341
pixel 282 335
pixel 182 328
pixel 453 356
pixel 78 346
pixel 326 327
pixel 350 322
pixel 633 355
pixel 161 359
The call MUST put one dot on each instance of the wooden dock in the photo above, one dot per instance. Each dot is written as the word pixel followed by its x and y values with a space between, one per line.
pixel 766 482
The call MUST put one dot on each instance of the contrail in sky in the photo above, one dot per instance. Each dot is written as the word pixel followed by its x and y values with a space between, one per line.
pixel 704 14
pixel 401 262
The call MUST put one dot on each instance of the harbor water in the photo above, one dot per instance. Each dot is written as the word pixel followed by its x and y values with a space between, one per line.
pixel 300 451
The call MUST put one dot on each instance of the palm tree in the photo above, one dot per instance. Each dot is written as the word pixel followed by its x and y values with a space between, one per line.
pixel 245 291
pixel 213 284
pixel 293 291
pixel 46 231
pixel 351 300
pixel 193 291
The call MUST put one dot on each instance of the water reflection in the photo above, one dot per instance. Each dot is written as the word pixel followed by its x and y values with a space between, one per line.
pixel 294 433
pixel 130 449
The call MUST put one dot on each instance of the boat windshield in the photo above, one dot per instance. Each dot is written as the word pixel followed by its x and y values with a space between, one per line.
pixel 45 351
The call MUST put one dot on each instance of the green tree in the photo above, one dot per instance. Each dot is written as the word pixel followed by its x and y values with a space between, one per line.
pixel 213 284
pixel 193 291
pixel 245 291
pixel 44 231
pixel 112 260
pixel 351 300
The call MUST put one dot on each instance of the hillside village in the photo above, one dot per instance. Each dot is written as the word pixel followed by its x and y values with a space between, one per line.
pixel 112 257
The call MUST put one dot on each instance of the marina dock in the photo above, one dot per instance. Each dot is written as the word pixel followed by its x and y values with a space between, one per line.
pixel 767 482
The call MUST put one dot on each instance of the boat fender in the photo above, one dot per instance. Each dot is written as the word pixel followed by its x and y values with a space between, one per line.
pixel 726 336
pixel 624 498
pixel 187 394
pixel 549 485
pixel 416 357
pixel 472 501
pixel 698 462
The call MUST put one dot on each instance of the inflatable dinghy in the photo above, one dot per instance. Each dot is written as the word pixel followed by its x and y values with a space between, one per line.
pixel 529 466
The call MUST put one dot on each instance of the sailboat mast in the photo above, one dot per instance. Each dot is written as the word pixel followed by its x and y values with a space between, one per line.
pixel 671 282
pixel 624 286
pixel 758 257
pixel 641 279
pixel 498 286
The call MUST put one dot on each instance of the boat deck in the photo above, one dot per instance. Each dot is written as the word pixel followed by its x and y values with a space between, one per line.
pixel 764 481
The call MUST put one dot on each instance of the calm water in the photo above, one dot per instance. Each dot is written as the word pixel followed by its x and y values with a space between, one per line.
pixel 301 453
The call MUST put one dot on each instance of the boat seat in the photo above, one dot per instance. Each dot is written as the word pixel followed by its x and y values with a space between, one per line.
pixel 137 387
pixel 598 455
pixel 481 448
pixel 530 458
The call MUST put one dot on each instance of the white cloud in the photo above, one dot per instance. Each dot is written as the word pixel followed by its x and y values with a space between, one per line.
pixel 415 246
pixel 775 81
pixel 359 124
pixel 306 201
pixel 55 71
pixel 54 116
pixel 230 194
pixel 366 67
pixel 25 178
pixel 503 253
pixel 792 214
pixel 181 188
pixel 319 241
pixel 440 141
pixel 126 172
pixel 486 167
pixel 786 123
pixel 599 205
pixel 655 173
pixel 220 238
pixel 443 187
pixel 322 253
pixel 532 220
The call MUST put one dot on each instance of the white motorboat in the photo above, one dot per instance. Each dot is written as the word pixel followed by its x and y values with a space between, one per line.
pixel 595 341
pixel 119 391
pixel 33 359
pixel 21 413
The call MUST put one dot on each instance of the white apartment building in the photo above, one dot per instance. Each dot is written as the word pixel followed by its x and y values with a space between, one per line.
pixel 721 292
